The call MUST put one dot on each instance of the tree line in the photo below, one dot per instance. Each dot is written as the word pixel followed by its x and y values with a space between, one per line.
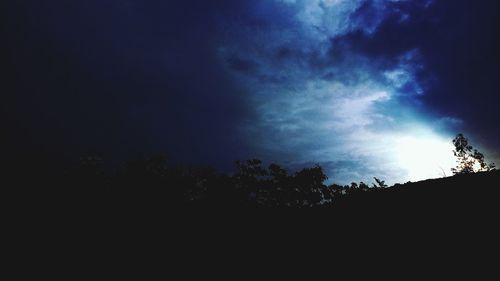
pixel 251 184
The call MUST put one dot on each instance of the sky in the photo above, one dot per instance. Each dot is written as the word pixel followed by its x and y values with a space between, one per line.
pixel 365 88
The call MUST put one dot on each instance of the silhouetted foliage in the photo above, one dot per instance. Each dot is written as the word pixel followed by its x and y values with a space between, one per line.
pixel 469 159
pixel 380 183
pixel 156 183
pixel 363 186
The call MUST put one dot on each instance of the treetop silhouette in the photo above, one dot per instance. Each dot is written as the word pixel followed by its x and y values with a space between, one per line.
pixel 470 160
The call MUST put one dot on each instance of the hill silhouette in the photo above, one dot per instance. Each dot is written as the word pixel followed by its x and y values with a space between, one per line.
pixel 149 203
pixel 155 184
pixel 475 192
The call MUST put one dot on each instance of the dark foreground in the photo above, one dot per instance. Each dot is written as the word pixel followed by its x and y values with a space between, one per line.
pixel 148 191
pixel 444 227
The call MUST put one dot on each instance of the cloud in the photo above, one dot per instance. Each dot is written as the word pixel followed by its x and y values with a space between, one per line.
pixel 327 91
pixel 347 83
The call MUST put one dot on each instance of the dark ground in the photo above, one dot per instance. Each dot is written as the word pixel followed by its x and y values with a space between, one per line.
pixel 440 228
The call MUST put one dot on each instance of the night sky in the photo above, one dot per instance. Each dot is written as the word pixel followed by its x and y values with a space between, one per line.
pixel 363 88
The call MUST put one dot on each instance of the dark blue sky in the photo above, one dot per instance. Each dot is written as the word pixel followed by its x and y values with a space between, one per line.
pixel 365 88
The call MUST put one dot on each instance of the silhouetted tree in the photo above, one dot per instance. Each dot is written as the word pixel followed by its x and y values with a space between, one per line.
pixel 380 183
pixel 279 192
pixel 278 173
pixel 309 185
pixel 469 160
pixel 247 179
pixel 363 186
pixel 250 169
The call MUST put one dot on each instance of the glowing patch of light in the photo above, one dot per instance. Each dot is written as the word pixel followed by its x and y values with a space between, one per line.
pixel 426 156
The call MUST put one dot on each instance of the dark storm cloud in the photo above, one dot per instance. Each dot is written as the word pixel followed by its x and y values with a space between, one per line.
pixel 122 78
pixel 458 42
